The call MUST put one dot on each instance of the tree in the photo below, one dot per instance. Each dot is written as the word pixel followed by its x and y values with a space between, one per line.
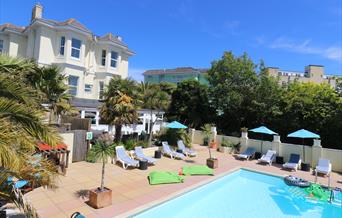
pixel 21 126
pixel 155 100
pixel 311 106
pixel 232 84
pixel 102 151
pixel 189 102
pixel 51 83
pixel 118 107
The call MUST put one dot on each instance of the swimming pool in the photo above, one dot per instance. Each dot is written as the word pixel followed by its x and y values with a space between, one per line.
pixel 244 194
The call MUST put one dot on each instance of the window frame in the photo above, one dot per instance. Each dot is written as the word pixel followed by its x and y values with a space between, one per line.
pixel 71 86
pixel 88 89
pixel 103 57
pixel 112 59
pixel 62 46
pixel 2 46
pixel 101 89
pixel 76 49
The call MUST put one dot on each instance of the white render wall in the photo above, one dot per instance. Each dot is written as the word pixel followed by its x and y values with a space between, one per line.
pixel 42 43
pixel 312 153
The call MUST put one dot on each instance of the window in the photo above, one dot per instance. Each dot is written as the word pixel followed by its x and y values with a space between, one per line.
pixel 61 49
pixel 73 82
pixel 103 58
pixel 75 48
pixel 101 89
pixel 1 46
pixel 88 88
pixel 113 58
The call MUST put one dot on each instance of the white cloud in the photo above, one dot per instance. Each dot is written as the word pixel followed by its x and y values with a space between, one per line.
pixel 306 47
pixel 136 73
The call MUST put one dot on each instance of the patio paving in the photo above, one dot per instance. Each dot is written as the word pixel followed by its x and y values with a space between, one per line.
pixel 131 190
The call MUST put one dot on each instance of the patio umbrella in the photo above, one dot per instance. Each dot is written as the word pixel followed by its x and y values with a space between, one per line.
pixel 263 130
pixel 176 125
pixel 303 134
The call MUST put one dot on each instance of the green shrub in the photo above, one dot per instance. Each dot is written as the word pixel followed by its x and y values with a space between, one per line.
pixel 129 144
pixel 226 143
pixel 91 156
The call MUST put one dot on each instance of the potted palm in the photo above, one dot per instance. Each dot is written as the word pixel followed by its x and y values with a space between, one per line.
pixel 101 196
pixel 206 131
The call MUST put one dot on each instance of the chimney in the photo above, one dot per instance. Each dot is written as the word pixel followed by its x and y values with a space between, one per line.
pixel 37 11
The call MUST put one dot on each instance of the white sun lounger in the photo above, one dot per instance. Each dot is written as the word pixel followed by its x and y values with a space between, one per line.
pixel 323 166
pixel 169 152
pixel 140 155
pixel 268 157
pixel 187 151
pixel 123 158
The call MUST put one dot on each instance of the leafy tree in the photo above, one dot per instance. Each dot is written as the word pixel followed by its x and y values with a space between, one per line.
pixel 155 100
pixel 189 102
pixel 167 87
pixel 311 106
pixel 232 84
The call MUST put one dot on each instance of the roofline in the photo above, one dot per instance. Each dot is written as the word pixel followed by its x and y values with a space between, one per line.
pixel 315 65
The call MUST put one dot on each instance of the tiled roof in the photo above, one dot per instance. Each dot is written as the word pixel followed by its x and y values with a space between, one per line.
pixel 11 26
pixel 112 38
pixel 178 70
pixel 70 22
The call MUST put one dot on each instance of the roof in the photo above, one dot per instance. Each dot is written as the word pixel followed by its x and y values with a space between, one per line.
pixel 85 103
pixel 46 147
pixel 178 70
pixel 11 26
pixel 70 22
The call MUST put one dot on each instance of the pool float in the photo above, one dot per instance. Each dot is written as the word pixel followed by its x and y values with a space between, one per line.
pixel 295 181
pixel 316 191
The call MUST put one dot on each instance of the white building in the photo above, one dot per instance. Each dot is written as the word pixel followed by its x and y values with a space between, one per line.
pixel 143 124
pixel 88 60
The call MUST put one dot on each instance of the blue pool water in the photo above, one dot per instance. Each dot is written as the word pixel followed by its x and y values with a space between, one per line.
pixel 245 194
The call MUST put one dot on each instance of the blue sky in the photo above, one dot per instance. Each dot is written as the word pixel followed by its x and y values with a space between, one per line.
pixel 172 33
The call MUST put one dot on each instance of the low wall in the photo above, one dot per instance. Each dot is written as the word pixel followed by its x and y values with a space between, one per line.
pixel 68 139
pixel 312 153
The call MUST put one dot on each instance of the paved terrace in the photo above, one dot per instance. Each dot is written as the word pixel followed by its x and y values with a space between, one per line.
pixel 131 190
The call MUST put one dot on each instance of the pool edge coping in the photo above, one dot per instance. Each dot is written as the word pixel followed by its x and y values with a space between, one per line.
pixel 183 191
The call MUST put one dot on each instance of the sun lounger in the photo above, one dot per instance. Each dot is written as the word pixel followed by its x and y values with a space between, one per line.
pixel 156 178
pixel 187 151
pixel 294 162
pixel 140 155
pixel 268 157
pixel 169 152
pixel 123 158
pixel 247 154
pixel 323 166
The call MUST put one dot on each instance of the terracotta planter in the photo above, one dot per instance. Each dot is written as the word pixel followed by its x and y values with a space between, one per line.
pixel 212 163
pixel 213 145
pixel 100 199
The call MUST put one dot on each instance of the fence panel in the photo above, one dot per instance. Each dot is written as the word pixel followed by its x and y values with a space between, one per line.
pixel 80 148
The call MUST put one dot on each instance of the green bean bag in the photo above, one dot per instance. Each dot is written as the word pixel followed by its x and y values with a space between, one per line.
pixel 156 178
pixel 197 170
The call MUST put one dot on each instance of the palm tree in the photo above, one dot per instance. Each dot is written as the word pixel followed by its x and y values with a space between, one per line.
pixel 118 110
pixel 119 104
pixel 153 99
pixel 51 83
pixel 102 151
pixel 21 126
